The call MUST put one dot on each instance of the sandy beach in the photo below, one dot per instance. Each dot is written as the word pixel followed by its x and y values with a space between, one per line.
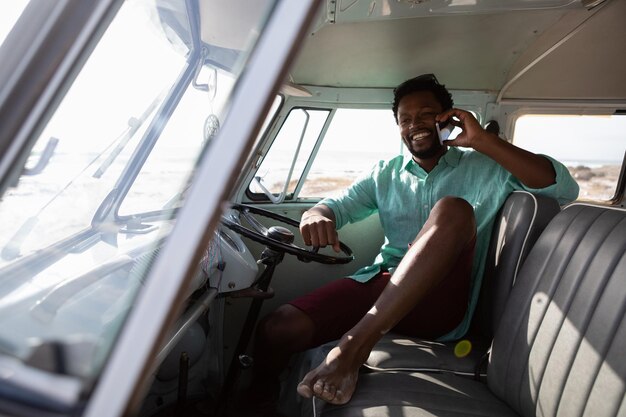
pixel 596 183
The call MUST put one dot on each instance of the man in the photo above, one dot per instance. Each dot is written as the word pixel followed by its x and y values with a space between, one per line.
pixel 437 208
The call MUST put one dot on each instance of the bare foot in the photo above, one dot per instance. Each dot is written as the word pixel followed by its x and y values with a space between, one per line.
pixel 334 380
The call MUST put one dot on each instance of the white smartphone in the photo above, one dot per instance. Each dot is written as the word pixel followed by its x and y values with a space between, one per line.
pixel 443 131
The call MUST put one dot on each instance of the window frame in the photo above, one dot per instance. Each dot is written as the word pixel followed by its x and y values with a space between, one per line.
pixel 266 146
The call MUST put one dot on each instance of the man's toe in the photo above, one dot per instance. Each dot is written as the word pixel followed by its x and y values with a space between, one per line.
pixel 328 394
pixel 304 390
pixel 318 387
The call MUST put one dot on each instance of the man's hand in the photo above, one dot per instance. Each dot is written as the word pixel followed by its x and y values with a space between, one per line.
pixel 532 170
pixel 472 135
pixel 317 227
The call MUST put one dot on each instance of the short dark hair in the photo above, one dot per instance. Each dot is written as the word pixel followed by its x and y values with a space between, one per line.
pixel 424 82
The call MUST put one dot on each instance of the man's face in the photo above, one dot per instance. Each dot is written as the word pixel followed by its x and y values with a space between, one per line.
pixel 416 119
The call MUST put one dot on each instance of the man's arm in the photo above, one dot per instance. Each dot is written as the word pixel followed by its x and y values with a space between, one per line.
pixel 317 227
pixel 534 171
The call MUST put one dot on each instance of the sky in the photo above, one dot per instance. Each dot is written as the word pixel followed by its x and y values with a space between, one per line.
pixel 574 138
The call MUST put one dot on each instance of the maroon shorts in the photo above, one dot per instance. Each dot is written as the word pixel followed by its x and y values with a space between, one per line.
pixel 337 306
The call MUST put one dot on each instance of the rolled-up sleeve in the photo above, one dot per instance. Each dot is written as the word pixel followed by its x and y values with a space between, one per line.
pixel 355 203
pixel 564 190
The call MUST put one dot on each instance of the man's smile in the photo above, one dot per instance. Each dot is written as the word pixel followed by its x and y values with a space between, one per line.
pixel 420 135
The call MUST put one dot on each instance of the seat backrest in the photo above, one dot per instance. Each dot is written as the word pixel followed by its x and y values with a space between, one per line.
pixel 516 228
pixel 559 347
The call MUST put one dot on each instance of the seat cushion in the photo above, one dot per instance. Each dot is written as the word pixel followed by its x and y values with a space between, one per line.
pixel 396 352
pixel 391 394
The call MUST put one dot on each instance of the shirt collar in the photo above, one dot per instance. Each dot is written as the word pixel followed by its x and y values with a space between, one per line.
pixel 408 161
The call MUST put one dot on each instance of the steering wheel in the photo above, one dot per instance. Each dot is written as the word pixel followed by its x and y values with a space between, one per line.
pixel 279 238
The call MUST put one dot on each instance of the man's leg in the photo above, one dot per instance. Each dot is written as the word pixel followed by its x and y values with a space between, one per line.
pixel 308 321
pixel 449 229
pixel 280 334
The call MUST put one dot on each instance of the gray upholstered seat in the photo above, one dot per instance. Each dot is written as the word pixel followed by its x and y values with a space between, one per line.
pixel 559 346
pixel 517 226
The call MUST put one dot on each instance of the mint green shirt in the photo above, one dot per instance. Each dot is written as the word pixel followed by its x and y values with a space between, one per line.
pixel 403 194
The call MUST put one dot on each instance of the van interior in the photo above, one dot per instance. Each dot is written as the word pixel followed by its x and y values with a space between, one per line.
pixel 548 334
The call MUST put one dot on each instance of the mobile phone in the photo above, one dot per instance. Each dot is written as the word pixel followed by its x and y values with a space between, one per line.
pixel 444 129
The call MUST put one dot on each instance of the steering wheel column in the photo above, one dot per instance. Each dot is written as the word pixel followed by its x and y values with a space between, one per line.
pixel 270 257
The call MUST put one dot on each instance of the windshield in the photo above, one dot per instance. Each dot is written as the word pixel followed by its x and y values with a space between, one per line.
pixel 95 128
pixel 100 190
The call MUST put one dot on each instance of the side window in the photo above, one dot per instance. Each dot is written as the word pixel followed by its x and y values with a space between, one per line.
pixel 281 169
pixel 592 147
pixel 356 139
